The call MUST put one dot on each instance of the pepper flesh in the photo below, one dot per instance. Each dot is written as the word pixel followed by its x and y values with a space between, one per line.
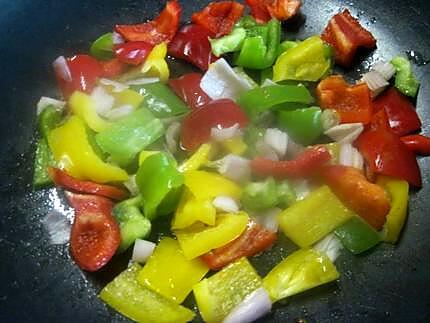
pixel 102 47
pixel 187 87
pixel 405 79
pixel 419 144
pixel 133 52
pixel 156 65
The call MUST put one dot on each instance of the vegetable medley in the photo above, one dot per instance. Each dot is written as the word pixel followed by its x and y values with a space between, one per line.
pixel 259 135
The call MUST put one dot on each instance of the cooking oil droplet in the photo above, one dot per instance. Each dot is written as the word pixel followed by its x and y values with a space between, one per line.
pixel 417 58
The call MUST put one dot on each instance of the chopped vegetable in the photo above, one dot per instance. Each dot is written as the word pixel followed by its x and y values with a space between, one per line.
pixel 386 69
pixel 277 140
pixel 233 167
pixel 187 87
pixel 49 118
pixel 142 250
pixel 350 156
pixel 263 10
pixel 229 43
pixel 260 195
pixel 198 159
pixel 225 204
pixel 330 246
pixel 42 160
pixel 155 64
pixel 133 52
pixel 345 133
pixel 45 102
pixel 102 47
pixel 405 79
pixel 419 144
pixel 376 82
pixel 225 133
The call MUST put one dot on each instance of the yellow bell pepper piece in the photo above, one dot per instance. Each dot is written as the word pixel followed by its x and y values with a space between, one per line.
pixel 235 145
pixel 333 149
pixel 200 239
pixel 399 194
pixel 191 210
pixel 72 151
pixel 145 154
pixel 198 159
pixel 127 97
pixel 83 106
pixel 217 295
pixel 311 219
pixel 207 185
pixel 300 271
pixel 155 64
pixel 169 273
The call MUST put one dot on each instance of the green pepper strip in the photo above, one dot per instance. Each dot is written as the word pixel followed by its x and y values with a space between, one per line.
pixel 230 43
pixel 102 47
pixel 405 81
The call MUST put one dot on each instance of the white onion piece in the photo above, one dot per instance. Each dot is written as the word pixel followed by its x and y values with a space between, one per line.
pixel 233 167
pixel 277 140
pixel 142 81
pixel 329 119
pixel 268 218
pixel 222 82
pixel 302 190
pixel 58 227
pixel 172 136
pixel 117 86
pixel 62 69
pixel 376 82
pixel 293 148
pixel 103 101
pixel 218 134
pixel 142 250
pixel 330 245
pixel 386 69
pixel 266 151
pixel 44 102
pixel 131 185
pixel 350 156
pixel 119 112
pixel 254 306
pixel 225 204
pixel 345 133
pixel 268 82
pixel 117 38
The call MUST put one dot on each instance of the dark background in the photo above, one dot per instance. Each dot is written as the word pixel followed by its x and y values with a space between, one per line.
pixel 39 282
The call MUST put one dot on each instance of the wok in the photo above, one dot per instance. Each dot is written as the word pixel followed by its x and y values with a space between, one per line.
pixel 39 281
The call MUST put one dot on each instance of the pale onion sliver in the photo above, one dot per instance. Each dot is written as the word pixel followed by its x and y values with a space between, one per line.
pixel 116 86
pixel 143 81
pixel 386 69
pixel 345 132
pixel 44 102
pixel 117 38
pixel 233 167
pixel 218 134
pixel 142 250
pixel 103 101
pixel 376 82
pixel 330 245
pixel 119 112
pixel 225 204
pixel 268 218
pixel 62 68
pixel 350 156
pixel 277 140
pixel 172 136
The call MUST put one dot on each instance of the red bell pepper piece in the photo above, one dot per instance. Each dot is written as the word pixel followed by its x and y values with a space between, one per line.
pixel 259 10
pixel 402 117
pixel 366 199
pixel 61 178
pixel 386 154
pixel 196 127
pixel 379 121
pixel 113 67
pixel 419 144
pixel 264 10
pixel 187 87
pixel 84 72
pixel 161 29
pixel 254 240
pixel 133 52
pixel 352 102
pixel 219 17
pixel 191 43
pixel 345 34
pixel 95 235
pixel 305 164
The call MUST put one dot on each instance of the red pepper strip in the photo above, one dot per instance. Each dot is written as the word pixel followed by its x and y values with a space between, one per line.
pixel 386 154
pixel 254 240
pixel 264 10
pixel 401 113
pixel 84 71
pixel 366 199
pixel 196 127
pixel 133 52
pixel 219 17
pixel 352 102
pixel 379 121
pixel 419 144
pixel 61 178
pixel 259 10
pixel 187 87
pixel 161 29
pixel 95 235
pixel 345 34
pixel 113 67
pixel 191 43
pixel 305 164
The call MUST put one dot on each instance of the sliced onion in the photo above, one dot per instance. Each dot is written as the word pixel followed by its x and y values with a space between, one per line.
pixel 131 185
pixel 218 134
pixel 142 250
pixel 233 167
pixel 268 218
pixel 172 136
pixel 293 148
pixel 386 69
pixel 302 190
pixel 117 38
pixel 142 81
pixel 119 112
pixel 58 227
pixel 376 82
pixel 44 102
pixel 350 156
pixel 103 101
pixel 266 151
pixel 254 306
pixel 330 245
pixel 225 204
pixel 329 118
pixel 268 82
pixel 116 86
pixel 62 69
pixel 345 133
pixel 277 140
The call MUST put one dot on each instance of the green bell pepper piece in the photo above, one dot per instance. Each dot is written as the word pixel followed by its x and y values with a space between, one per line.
pixel 246 22
pixel 260 195
pixel 259 100
pixel 160 100
pixel 286 45
pixel 132 223
pixel 124 139
pixel 102 47
pixel 286 194
pixel 48 120
pixel 302 125
pixel 405 81
pixel 139 303
pixel 42 160
pixel 230 43
pixel 159 182
pixel 357 236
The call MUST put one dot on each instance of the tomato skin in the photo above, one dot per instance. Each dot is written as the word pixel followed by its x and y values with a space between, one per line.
pixel 113 67
pixel 196 127
pixel 95 235
pixel 187 87
pixel 133 52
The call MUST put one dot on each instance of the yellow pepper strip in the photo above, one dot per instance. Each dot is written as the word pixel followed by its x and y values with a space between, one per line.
pixel 155 64
pixel 311 219
pixel 235 145
pixel 200 239
pixel 83 106
pixel 207 185
pixel 217 295
pixel 198 159
pixel 399 194
pixel 127 97
pixel 141 304
pixel 169 273
pixel 145 154
pixel 72 151
pixel 333 149
pixel 191 210
pixel 300 271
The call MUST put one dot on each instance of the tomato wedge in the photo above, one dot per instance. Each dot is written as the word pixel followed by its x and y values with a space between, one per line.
pixel 254 240
pixel 187 87
pixel 95 235
pixel 61 178
pixel 161 29
pixel 196 127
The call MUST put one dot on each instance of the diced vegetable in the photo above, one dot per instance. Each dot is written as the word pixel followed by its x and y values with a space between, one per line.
pixel 386 69
pixel 262 10
pixel 350 156
pixel 142 250
pixel 225 204
pixel 187 87
pixel 376 82
pixel 42 160
pixel 233 167
pixel 260 195
pixel 198 159
pixel 102 47
pixel 330 246
pixel 229 43
pixel 45 102
pixel 405 78
pixel 155 64
pixel 345 133
pixel 133 52
pixel 49 118
pixel 419 144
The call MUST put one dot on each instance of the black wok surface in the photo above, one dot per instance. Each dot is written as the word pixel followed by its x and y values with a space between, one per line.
pixel 40 283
